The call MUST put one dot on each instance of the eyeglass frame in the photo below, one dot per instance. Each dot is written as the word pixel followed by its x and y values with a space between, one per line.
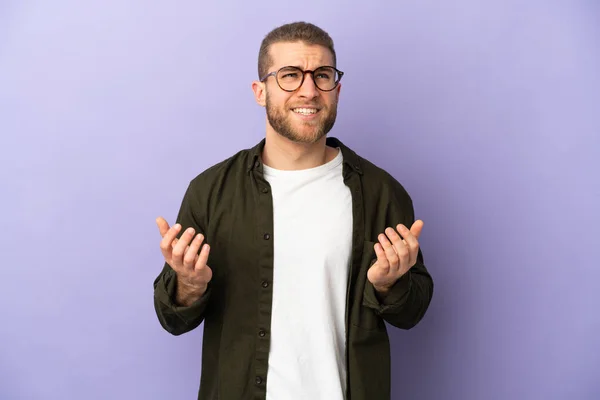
pixel 304 72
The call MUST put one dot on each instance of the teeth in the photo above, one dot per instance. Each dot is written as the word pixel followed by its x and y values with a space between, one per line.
pixel 305 111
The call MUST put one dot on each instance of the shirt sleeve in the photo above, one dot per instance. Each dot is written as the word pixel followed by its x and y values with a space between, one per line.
pixel 405 304
pixel 174 318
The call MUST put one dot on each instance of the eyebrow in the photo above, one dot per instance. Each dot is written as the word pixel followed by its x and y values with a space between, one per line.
pixel 299 67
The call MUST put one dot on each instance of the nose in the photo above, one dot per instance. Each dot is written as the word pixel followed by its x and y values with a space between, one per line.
pixel 308 88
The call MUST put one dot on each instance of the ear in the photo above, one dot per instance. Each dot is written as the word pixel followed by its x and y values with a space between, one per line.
pixel 259 93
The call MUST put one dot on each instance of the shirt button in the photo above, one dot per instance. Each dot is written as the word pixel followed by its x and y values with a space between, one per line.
pixel 265 284
pixel 258 380
pixel 267 236
pixel 265 190
pixel 261 333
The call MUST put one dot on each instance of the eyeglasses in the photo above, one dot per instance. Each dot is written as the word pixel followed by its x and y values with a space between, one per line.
pixel 290 79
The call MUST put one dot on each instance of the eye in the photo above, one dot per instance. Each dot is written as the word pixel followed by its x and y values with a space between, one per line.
pixel 325 74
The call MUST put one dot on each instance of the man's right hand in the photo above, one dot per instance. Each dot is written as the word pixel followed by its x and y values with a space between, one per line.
pixel 193 275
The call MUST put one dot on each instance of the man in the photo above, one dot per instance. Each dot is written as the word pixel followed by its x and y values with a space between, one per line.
pixel 311 247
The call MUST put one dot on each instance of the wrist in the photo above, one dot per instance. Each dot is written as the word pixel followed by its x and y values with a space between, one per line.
pixel 382 289
pixel 186 295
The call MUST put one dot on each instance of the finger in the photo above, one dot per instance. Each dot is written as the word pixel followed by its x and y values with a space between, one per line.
pixel 175 242
pixel 165 243
pixel 189 259
pixel 390 252
pixel 181 246
pixel 397 241
pixel 382 261
pixel 163 226
pixel 203 257
pixel 417 228
pixel 412 243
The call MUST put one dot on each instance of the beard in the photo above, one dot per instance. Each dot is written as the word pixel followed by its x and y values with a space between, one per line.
pixel 308 132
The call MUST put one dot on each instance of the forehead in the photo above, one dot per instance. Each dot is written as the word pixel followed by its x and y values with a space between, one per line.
pixel 299 54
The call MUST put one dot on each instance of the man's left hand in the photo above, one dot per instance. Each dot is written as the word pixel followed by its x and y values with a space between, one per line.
pixel 396 253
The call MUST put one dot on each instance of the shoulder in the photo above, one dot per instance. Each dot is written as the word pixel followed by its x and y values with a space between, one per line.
pixel 377 180
pixel 375 173
pixel 377 183
pixel 235 166
pixel 385 195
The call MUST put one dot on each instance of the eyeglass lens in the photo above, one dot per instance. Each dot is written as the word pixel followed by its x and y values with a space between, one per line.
pixel 290 78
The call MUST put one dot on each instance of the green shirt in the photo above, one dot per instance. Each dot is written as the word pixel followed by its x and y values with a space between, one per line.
pixel 231 204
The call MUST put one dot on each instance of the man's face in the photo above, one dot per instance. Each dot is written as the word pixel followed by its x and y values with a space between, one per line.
pixel 308 114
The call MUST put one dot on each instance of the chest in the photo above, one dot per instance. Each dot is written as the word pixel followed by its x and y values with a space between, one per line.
pixel 313 216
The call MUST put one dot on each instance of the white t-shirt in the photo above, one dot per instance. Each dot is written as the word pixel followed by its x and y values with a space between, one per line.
pixel 312 250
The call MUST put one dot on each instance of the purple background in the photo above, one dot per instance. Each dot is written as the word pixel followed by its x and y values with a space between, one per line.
pixel 487 112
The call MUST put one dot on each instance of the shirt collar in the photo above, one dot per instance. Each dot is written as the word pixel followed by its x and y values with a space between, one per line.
pixel 349 156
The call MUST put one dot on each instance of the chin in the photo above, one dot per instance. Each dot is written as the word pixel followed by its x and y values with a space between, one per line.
pixel 312 137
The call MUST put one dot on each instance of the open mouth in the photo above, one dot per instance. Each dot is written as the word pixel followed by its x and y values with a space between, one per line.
pixel 305 111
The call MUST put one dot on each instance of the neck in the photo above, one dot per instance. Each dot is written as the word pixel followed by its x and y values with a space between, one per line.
pixel 284 154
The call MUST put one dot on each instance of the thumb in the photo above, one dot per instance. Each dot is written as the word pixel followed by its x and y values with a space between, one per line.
pixel 163 226
pixel 416 228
